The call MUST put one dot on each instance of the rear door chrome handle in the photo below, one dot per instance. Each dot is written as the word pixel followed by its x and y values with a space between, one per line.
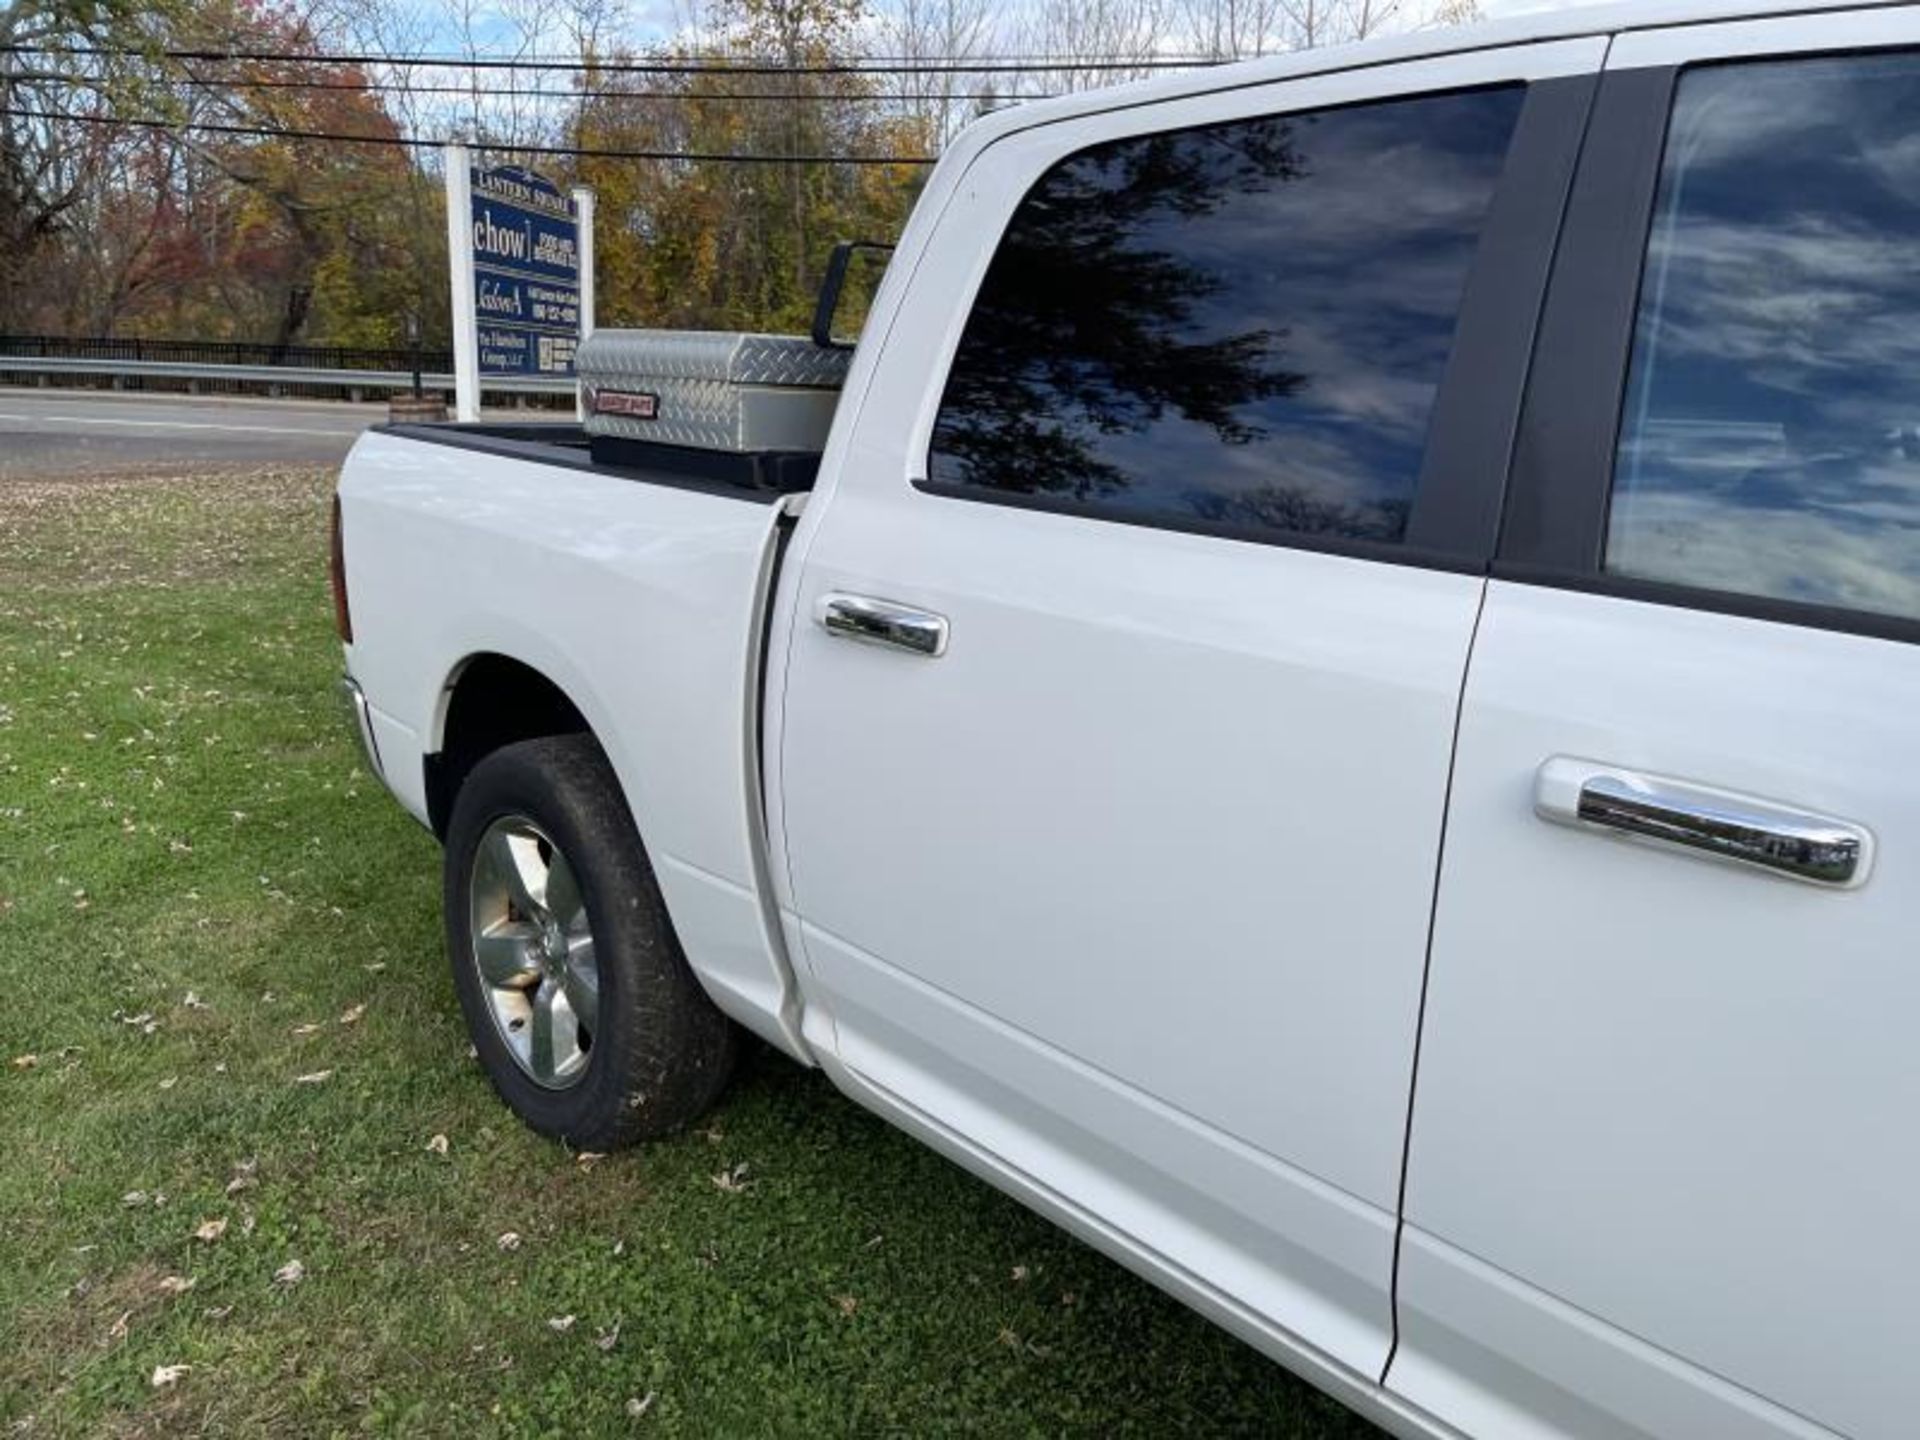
pixel 882 622
pixel 1709 821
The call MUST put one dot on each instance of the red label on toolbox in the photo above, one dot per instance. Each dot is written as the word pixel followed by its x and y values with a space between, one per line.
pixel 634 404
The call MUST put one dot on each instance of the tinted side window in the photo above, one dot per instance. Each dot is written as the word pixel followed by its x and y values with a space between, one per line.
pixel 1771 438
pixel 1242 324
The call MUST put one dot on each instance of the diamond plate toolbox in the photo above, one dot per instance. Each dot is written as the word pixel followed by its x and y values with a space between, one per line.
pixel 715 390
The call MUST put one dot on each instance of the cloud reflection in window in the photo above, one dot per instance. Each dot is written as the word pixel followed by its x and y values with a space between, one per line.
pixel 1771 440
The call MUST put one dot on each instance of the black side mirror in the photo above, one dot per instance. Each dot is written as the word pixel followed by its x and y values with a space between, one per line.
pixel 828 305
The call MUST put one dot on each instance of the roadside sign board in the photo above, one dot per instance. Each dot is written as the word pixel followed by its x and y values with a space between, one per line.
pixel 526 272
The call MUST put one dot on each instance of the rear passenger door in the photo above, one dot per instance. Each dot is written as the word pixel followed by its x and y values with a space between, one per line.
pixel 1173 488
pixel 1664 1160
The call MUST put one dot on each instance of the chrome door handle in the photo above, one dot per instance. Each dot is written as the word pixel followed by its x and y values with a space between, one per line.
pixel 881 622
pixel 1717 823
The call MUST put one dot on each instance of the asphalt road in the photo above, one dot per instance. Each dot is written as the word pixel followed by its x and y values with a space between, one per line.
pixel 52 432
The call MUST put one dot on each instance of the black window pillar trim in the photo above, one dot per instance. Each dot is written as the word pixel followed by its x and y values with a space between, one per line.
pixel 1562 474
pixel 1471 434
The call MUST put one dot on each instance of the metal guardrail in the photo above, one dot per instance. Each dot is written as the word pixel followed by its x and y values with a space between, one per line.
pixel 202 351
pixel 274 376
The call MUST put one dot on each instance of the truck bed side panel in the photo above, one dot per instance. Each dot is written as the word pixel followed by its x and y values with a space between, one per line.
pixel 641 602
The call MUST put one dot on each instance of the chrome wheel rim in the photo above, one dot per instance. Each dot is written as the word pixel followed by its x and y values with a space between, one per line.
pixel 532 949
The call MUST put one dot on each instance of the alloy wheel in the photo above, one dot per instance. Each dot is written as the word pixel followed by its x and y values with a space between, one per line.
pixel 533 949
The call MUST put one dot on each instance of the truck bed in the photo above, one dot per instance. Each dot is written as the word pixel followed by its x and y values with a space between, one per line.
pixel 762 474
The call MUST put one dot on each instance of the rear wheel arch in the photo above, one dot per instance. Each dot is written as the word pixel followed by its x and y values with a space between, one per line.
pixel 489 701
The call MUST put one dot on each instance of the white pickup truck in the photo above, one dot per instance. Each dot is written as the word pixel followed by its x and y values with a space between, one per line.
pixel 1342 715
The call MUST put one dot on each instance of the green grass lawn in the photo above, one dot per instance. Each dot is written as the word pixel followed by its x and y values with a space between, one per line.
pixel 227 1010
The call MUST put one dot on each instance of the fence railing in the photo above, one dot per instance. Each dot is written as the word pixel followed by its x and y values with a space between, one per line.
pixel 224 352
pixel 201 377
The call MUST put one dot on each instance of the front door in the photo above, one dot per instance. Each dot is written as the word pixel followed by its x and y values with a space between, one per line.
pixel 1664 1153
pixel 1122 681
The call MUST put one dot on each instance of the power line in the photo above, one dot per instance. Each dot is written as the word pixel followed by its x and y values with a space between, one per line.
pixel 416 142
pixel 390 87
pixel 720 66
pixel 534 92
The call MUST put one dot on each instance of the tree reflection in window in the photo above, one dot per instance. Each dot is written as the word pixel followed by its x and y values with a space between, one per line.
pixel 1242 324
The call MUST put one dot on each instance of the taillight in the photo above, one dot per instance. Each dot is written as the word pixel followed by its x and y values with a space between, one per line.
pixel 337 574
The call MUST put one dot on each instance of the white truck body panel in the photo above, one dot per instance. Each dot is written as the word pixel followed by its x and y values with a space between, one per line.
pixel 1668 1093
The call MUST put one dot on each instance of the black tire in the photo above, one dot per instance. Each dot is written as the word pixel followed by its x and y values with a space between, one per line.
pixel 660 1052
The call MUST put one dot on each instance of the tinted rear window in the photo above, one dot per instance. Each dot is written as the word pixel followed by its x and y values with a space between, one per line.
pixel 1243 323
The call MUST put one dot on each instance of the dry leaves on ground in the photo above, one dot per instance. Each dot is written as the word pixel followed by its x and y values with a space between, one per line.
pixel 734 1181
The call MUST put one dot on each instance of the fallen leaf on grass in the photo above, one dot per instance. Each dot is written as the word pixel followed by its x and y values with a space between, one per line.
pixel 639 1407
pixel 351 1015
pixel 217 1312
pixel 134 1199
pixel 509 1241
pixel 300 1032
pixel 194 1002
pixel 734 1181
pixel 170 1082
pixel 25 1062
pixel 1020 1274
pixel 587 1159
pixel 118 1330
pixel 847 1304
pixel 607 1339
pixel 165 1375
pixel 211 1230
pixel 318 1077
pixel 560 1324
pixel 176 1284
pixel 437 1145
pixel 239 1183
pixel 291 1273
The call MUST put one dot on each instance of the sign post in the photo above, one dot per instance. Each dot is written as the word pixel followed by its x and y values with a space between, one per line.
pixel 521 271
pixel 466 351
pixel 583 213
